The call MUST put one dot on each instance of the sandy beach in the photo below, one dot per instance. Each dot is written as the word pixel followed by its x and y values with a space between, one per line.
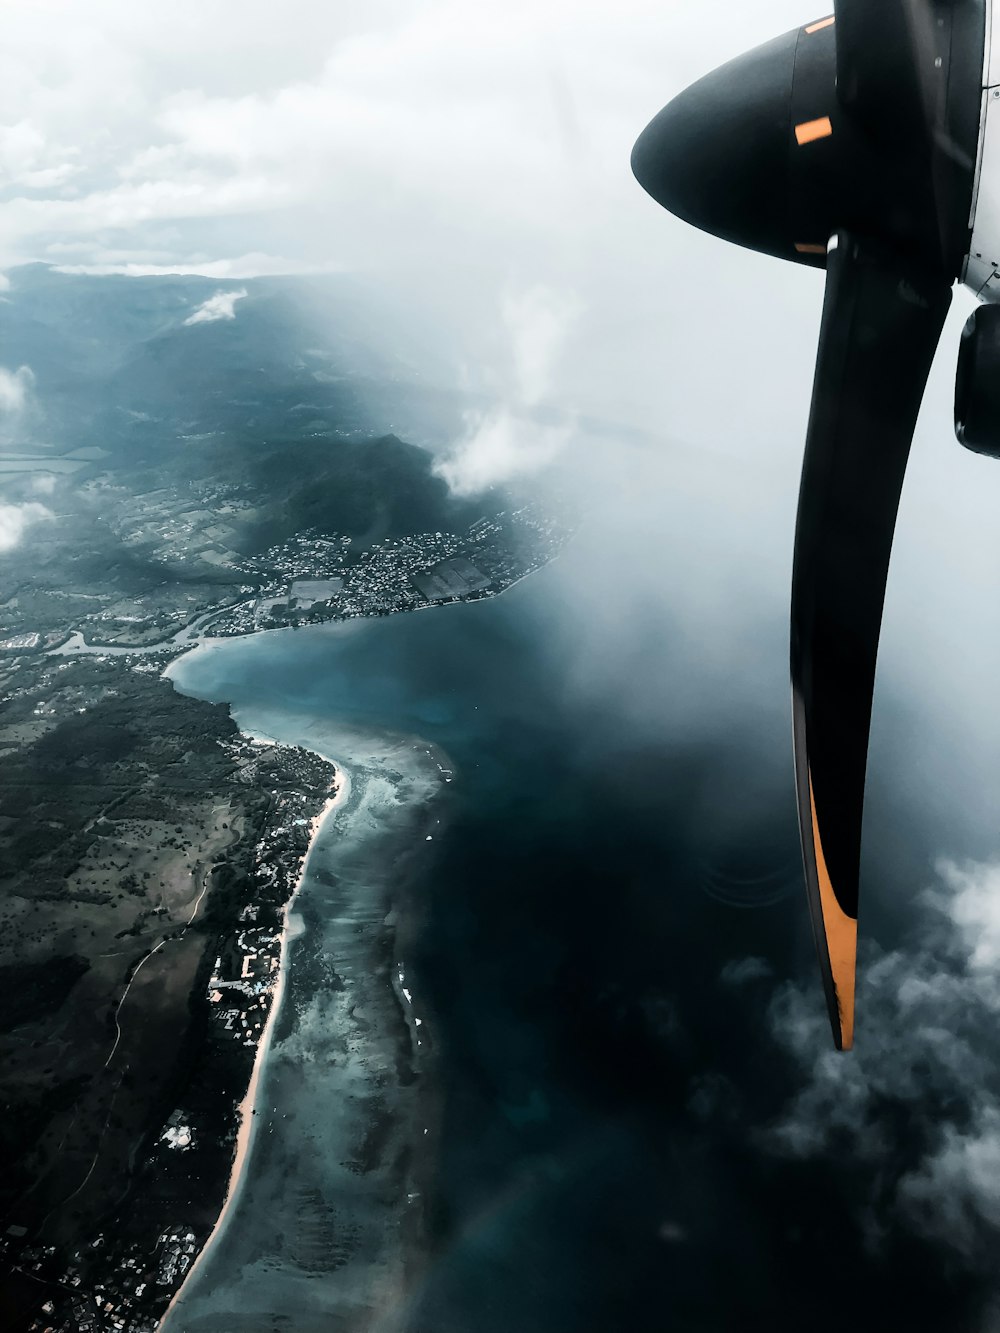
pixel 247 1107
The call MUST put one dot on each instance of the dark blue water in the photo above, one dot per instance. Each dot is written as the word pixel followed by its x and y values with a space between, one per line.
pixel 621 832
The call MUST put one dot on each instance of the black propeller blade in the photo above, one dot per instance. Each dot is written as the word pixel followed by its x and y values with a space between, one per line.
pixel 908 71
pixel 848 144
pixel 880 328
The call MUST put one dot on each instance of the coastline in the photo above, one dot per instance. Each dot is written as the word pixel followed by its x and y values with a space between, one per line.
pixel 341 1175
pixel 194 635
pixel 247 1107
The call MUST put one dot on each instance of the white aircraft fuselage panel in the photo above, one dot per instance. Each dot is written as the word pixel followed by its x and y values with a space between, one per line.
pixel 982 266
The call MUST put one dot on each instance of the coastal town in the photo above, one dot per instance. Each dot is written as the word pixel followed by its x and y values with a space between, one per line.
pixel 315 577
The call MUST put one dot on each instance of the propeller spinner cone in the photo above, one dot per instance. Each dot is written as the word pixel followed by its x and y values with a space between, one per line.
pixel 717 155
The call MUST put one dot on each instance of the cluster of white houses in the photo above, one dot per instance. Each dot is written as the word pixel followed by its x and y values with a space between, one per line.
pixel 241 1003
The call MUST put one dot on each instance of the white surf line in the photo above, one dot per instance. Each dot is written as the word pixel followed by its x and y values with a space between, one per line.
pixel 247 1107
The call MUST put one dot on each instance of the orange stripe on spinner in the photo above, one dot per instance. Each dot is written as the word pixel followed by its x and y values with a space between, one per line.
pixel 822 23
pixel 841 936
pixel 811 130
pixel 804 249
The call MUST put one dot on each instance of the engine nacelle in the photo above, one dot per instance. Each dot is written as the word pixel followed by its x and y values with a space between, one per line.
pixel 977 384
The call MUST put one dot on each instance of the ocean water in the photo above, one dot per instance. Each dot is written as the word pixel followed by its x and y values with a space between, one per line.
pixel 617 837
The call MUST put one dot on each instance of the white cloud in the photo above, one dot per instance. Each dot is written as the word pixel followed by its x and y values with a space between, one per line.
pixel 220 306
pixel 28 161
pixel 538 322
pixel 15 388
pixel 925 1056
pixel 16 519
pixel 511 441
pixel 744 970
pixel 253 265
pixel 498 447
pixel 971 900
pixel 20 147
pixel 43 483
pixel 192 194
pixel 955 1194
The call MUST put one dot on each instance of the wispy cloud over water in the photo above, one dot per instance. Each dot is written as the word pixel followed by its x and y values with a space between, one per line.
pixel 918 1101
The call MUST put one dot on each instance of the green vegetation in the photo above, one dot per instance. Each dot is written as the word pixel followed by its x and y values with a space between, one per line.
pixel 131 751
